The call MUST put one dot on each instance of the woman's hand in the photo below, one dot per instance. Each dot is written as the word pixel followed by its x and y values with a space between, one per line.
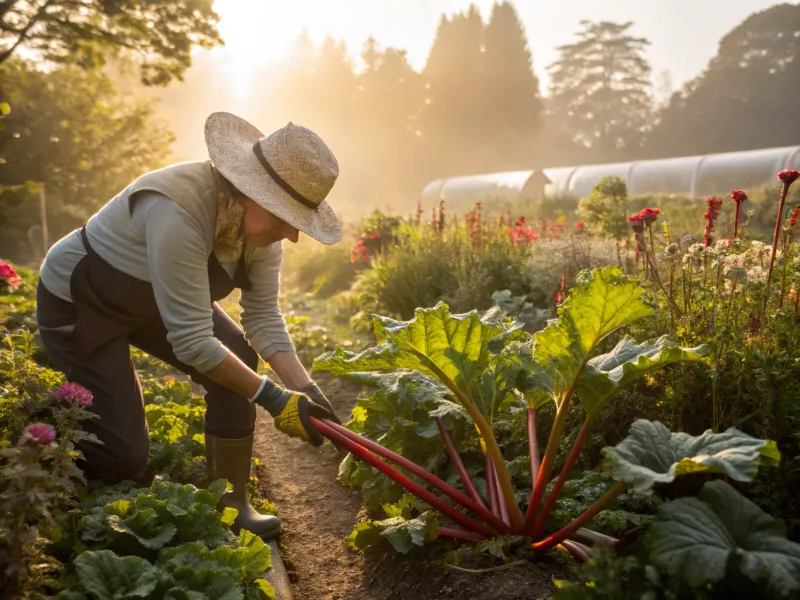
pixel 291 411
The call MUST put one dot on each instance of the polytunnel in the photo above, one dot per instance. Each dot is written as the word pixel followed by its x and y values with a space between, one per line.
pixel 688 176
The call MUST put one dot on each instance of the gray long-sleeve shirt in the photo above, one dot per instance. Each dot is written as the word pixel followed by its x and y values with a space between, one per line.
pixel 161 243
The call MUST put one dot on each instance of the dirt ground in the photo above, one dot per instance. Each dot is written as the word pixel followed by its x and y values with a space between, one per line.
pixel 318 513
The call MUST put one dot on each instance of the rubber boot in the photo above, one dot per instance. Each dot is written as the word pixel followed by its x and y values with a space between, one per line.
pixel 230 459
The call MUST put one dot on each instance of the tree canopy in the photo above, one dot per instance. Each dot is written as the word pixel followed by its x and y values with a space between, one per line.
pixel 158 34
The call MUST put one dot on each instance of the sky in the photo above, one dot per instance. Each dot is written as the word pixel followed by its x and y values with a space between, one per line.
pixel 684 34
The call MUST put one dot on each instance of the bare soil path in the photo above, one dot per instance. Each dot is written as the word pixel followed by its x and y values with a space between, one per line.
pixel 318 513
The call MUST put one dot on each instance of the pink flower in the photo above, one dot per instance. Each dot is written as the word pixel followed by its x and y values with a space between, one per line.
pixel 789 176
pixel 10 275
pixel 37 433
pixel 74 394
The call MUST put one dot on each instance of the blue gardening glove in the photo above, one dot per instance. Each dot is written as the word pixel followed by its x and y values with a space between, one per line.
pixel 291 411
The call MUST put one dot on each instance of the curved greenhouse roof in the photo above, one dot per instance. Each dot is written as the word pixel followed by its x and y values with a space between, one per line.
pixel 690 176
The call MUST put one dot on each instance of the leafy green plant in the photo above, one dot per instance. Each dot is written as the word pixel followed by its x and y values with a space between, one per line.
pixel 189 571
pixel 484 361
pixel 697 540
pixel 166 514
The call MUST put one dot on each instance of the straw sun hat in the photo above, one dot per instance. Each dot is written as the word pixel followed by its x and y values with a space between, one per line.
pixel 288 172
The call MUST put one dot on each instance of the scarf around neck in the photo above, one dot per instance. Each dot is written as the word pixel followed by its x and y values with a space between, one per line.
pixel 228 238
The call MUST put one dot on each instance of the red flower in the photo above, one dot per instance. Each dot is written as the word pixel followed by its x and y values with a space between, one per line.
pixel 793 218
pixel 711 215
pixel 559 298
pixel 10 275
pixel 637 223
pixel 74 394
pixel 789 176
pixel 579 226
pixel 649 216
pixel 738 196
pixel 359 252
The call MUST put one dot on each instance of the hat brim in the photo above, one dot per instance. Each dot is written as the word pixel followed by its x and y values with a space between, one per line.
pixel 230 142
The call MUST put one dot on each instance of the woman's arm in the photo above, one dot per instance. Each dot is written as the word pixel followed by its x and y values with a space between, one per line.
pixel 289 368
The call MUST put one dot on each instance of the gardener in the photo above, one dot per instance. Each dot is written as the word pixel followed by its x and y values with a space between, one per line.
pixel 148 269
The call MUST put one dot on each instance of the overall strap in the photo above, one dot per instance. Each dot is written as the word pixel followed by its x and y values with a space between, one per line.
pixel 85 240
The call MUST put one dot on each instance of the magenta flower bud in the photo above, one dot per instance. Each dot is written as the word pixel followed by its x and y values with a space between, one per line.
pixel 37 433
pixel 74 394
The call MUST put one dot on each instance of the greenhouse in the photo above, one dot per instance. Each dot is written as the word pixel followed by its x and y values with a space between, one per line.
pixel 689 176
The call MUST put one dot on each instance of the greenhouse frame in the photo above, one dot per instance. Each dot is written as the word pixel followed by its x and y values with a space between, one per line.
pixel 692 177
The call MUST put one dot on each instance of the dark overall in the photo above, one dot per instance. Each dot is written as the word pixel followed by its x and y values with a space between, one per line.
pixel 89 340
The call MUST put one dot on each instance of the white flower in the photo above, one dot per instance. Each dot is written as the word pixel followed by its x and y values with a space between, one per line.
pixel 757 275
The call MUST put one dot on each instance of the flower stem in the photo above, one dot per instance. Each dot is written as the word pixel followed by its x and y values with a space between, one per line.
pixel 572 458
pixel 327 429
pixel 587 515
pixel 466 480
pixel 658 280
pixel 775 238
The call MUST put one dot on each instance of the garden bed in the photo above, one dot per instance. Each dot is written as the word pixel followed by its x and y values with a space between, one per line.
pixel 318 514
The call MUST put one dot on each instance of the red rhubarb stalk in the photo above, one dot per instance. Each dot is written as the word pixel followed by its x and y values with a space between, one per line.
pixel 327 429
pixel 425 475
pixel 577 550
pixel 549 458
pixel 466 480
pixel 499 490
pixel 491 487
pixel 562 478
pixel 587 515
pixel 459 534
pixel 533 448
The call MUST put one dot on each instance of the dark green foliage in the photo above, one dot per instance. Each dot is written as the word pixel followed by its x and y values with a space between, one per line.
pixel 158 35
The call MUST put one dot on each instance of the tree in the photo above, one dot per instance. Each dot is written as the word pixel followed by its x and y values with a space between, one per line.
pixel 71 130
pixel 390 95
pixel 600 90
pixel 159 34
pixel 450 122
pixel 747 96
pixel 513 108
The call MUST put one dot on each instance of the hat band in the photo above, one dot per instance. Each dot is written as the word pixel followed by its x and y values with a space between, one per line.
pixel 279 180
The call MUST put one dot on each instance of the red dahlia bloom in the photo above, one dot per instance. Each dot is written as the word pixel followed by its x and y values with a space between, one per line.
pixel 637 223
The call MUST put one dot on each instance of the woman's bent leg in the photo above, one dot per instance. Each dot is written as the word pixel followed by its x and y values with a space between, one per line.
pixel 117 397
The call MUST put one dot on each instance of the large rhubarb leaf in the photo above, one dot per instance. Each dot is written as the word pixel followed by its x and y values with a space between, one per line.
pixel 603 301
pixel 605 375
pixel 434 341
pixel 698 539
pixel 105 575
pixel 401 416
pixel 403 534
pixel 652 454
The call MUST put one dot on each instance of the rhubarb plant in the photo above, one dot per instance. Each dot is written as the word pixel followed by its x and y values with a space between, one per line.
pixel 484 360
